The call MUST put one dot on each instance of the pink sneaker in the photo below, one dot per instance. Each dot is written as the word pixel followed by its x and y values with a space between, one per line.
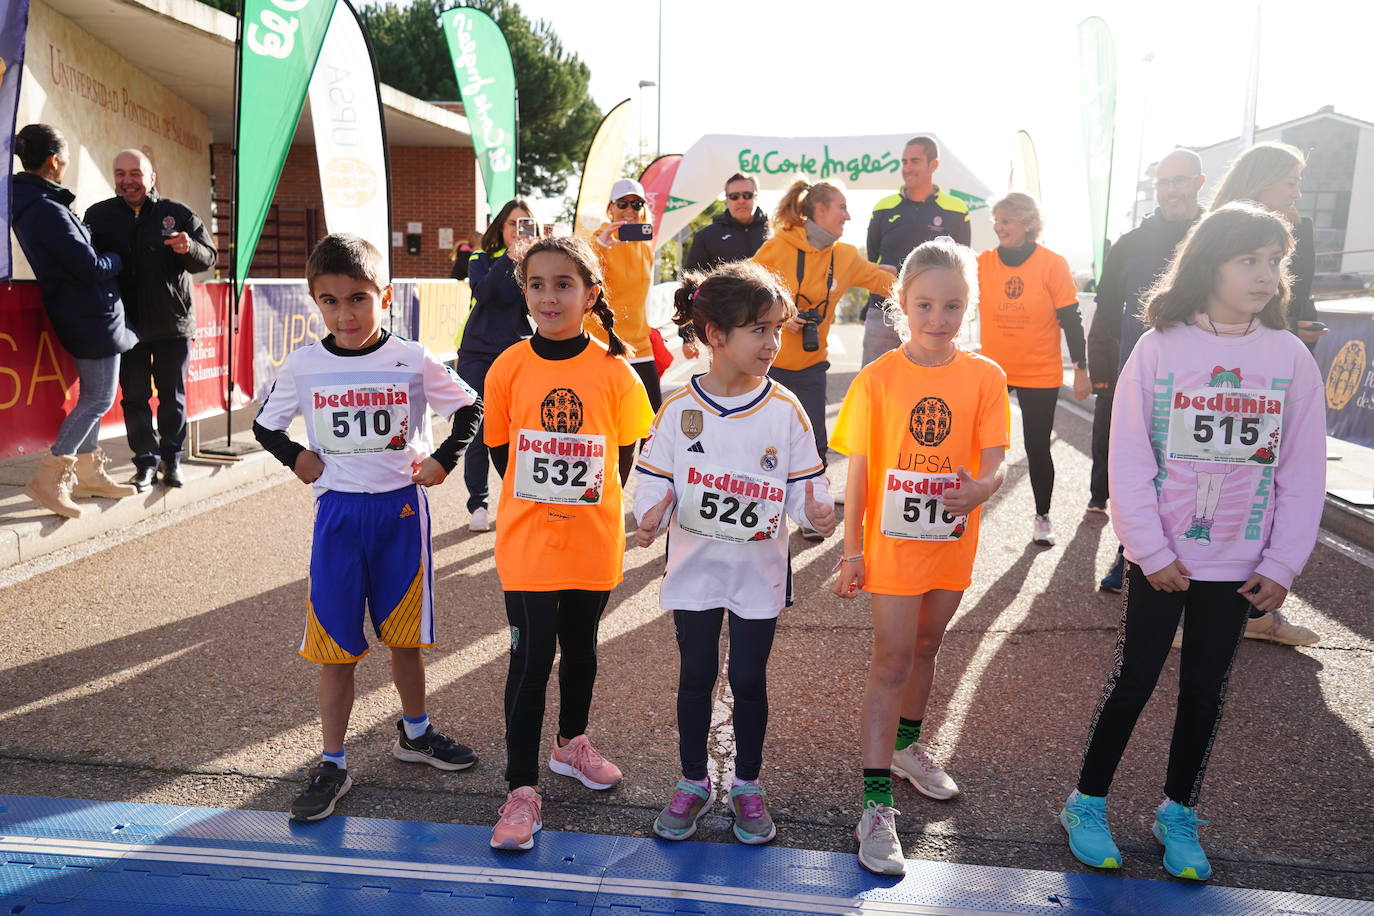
pixel 520 820
pixel 580 760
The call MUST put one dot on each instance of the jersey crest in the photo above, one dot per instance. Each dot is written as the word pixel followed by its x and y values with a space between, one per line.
pixel 931 421
pixel 692 423
pixel 561 411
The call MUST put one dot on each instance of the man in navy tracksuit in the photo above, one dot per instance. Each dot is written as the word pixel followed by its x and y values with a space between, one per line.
pixel 917 213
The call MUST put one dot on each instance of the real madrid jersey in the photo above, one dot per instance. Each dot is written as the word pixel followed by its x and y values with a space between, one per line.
pixel 736 466
pixel 366 413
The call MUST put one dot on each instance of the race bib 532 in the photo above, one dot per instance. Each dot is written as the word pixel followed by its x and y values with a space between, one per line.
pixel 559 467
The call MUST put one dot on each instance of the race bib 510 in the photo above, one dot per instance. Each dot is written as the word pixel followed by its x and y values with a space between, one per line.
pixel 559 467
pixel 361 419
pixel 731 506
pixel 1226 425
pixel 912 509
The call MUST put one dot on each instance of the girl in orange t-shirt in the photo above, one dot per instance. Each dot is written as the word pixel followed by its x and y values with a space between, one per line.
pixel 925 428
pixel 563 414
pixel 1026 294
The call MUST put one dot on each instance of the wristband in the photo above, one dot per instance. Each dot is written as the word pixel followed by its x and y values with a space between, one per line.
pixel 858 557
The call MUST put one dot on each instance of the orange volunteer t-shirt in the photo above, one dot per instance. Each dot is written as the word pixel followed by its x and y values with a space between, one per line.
pixel 1016 308
pixel 562 524
pixel 917 425
pixel 628 271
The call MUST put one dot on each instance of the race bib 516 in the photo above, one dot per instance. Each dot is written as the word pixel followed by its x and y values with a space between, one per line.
pixel 731 506
pixel 360 419
pixel 1226 425
pixel 559 467
pixel 912 509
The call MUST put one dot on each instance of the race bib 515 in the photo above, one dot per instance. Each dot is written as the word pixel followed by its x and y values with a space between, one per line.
pixel 1226 425
pixel 912 509
pixel 731 506
pixel 559 467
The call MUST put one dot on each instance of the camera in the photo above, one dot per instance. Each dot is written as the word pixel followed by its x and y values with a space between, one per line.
pixel 526 228
pixel 811 331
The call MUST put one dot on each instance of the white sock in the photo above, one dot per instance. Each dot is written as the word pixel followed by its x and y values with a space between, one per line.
pixel 416 727
pixel 340 759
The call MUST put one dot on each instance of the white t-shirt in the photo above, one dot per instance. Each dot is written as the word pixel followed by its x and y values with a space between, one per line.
pixel 737 466
pixel 366 415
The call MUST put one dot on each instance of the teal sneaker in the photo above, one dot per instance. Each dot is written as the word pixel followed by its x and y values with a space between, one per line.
pixel 752 822
pixel 1176 828
pixel 678 821
pixel 1084 819
pixel 1193 533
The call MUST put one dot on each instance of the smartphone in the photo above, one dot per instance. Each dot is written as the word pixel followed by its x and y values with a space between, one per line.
pixel 526 228
pixel 1315 326
pixel 635 232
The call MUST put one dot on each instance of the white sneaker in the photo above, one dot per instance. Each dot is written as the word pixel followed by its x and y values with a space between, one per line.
pixel 480 521
pixel 913 764
pixel 1275 628
pixel 1044 534
pixel 880 851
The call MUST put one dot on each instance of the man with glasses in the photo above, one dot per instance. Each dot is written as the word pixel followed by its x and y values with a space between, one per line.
pixel 734 235
pixel 1131 267
pixel 917 213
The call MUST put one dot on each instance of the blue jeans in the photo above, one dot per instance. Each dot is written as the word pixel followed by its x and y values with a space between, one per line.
pixel 80 431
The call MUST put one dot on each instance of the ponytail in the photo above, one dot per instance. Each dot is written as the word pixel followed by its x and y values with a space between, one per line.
pixel 683 300
pixel 798 204
pixel 37 143
pixel 602 310
pixel 734 295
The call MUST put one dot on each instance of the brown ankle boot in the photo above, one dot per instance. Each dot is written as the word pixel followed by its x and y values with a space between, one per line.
pixel 50 486
pixel 91 479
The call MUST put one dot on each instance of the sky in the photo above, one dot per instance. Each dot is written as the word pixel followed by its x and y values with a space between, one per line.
pixel 973 73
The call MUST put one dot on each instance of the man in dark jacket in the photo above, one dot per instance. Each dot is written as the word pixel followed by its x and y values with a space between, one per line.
pixel 162 242
pixel 734 235
pixel 1131 267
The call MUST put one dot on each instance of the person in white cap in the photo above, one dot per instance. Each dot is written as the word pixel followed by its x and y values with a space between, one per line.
pixel 628 269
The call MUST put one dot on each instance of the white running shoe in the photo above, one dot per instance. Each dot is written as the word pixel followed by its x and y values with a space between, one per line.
pixel 1044 534
pixel 1274 627
pixel 880 851
pixel 913 764
pixel 480 521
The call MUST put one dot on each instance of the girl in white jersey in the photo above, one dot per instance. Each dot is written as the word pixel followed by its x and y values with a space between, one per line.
pixel 733 452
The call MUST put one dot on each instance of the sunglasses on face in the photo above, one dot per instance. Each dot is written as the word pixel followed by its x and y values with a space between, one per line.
pixel 741 195
pixel 629 205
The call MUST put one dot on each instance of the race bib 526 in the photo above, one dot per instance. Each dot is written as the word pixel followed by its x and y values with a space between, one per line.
pixel 730 506
pixel 360 419
pixel 912 509
pixel 559 467
pixel 1226 425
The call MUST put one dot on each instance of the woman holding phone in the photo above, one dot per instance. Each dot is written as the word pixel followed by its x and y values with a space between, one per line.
pixel 624 246
pixel 498 319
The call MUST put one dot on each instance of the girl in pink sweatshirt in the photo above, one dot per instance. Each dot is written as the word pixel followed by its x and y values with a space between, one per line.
pixel 1218 470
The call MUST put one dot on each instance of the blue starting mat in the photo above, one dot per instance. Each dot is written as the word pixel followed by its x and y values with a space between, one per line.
pixel 91 858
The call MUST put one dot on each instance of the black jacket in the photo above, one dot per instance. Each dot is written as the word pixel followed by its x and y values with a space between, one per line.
pixel 498 317
pixel 156 281
pixel 79 289
pixel 1303 267
pixel 1131 267
pixel 725 240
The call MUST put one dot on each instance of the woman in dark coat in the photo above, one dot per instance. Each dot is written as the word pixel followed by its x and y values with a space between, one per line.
pixel 82 301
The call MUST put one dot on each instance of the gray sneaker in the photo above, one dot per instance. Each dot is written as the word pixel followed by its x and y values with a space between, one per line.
pixel 880 851
pixel 678 821
pixel 752 823
pixel 913 764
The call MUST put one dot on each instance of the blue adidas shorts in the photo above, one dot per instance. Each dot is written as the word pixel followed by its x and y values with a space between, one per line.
pixel 370 551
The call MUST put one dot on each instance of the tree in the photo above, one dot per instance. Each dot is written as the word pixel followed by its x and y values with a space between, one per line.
pixel 557 116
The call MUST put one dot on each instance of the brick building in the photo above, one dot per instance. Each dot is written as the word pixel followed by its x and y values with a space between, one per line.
pixel 158 75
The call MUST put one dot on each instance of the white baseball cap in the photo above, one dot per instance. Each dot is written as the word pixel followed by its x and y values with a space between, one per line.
pixel 625 187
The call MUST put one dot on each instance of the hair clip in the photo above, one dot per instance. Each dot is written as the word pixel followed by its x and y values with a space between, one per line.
pixel 693 296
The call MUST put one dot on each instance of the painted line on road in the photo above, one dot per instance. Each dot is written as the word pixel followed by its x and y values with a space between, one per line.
pixel 431 871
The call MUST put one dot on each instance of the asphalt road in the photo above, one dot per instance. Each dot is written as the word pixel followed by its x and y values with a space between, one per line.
pixel 163 669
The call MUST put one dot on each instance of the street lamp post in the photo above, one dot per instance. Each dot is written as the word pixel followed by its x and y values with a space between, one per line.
pixel 643 84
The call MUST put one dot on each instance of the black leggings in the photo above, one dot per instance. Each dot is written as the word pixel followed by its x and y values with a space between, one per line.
pixel 1213 624
pixel 1037 422
pixel 540 623
pixel 648 374
pixel 698 643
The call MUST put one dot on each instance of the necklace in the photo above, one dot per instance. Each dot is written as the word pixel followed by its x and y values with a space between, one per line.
pixel 1217 333
pixel 944 362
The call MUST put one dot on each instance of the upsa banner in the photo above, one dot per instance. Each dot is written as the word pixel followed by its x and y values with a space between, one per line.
pixel 1346 358
pixel 38 381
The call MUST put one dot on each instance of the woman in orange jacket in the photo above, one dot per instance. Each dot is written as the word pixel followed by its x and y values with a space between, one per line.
pixel 628 270
pixel 805 251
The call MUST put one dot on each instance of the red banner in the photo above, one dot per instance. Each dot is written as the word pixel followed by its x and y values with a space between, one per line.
pixel 657 180
pixel 38 383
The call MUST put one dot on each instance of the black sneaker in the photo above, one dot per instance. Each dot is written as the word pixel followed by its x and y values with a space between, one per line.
pixel 171 473
pixel 327 785
pixel 433 747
